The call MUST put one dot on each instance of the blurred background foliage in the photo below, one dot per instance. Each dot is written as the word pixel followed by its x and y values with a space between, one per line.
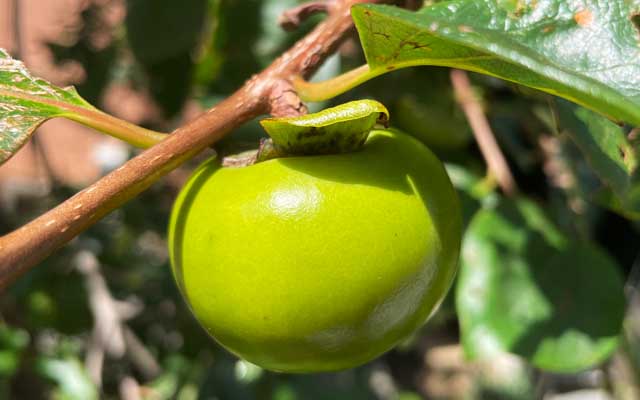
pixel 540 288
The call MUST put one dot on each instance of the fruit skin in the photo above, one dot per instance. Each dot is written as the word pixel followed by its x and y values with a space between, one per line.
pixel 433 123
pixel 317 263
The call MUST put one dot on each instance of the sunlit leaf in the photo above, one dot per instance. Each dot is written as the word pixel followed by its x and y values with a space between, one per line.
pixel 525 288
pixel 70 377
pixel 586 51
pixel 26 102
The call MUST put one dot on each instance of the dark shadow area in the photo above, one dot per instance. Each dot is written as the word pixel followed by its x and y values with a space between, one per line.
pixel 162 35
pixel 592 150
pixel 619 237
pixel 97 62
pixel 469 207
pixel 171 94
pixel 584 298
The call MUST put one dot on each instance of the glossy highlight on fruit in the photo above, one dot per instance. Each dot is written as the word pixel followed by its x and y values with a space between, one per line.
pixel 317 263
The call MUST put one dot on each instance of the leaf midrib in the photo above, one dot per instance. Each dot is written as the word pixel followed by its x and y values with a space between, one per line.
pixel 74 109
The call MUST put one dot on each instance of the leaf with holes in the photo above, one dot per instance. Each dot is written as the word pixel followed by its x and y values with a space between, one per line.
pixel 27 101
pixel 525 288
pixel 609 152
pixel 587 51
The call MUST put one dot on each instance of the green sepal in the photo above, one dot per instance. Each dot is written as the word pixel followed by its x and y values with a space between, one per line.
pixel 340 129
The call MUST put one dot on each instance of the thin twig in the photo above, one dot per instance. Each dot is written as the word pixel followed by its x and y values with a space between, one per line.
pixel 22 249
pixel 291 19
pixel 140 356
pixel 491 152
pixel 109 316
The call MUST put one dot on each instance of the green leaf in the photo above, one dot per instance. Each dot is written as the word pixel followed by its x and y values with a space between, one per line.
pixel 434 122
pixel 586 51
pixel 525 288
pixel 228 54
pixel 13 342
pixel 338 129
pixel 70 377
pixel 27 101
pixel 610 154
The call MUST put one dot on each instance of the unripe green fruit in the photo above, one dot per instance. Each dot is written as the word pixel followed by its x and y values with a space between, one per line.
pixel 317 263
pixel 434 124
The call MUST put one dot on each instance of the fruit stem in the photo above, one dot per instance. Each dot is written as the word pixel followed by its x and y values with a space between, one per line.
pixel 325 90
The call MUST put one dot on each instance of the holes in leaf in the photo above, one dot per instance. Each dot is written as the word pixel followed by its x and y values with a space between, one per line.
pixel 635 19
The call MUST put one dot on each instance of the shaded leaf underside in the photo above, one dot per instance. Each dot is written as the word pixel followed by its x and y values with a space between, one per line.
pixel 608 151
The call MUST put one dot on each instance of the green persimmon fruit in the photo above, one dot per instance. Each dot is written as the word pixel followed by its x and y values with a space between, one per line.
pixel 433 123
pixel 317 263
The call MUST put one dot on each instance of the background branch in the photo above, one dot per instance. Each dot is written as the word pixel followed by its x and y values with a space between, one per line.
pixel 22 249
pixel 291 19
pixel 496 162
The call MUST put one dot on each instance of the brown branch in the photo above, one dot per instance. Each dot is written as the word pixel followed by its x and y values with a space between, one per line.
pixel 491 152
pixel 22 249
pixel 130 389
pixel 291 19
pixel 284 101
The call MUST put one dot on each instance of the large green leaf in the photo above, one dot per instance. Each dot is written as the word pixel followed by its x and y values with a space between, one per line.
pixel 26 102
pixel 587 51
pixel 609 152
pixel 527 289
